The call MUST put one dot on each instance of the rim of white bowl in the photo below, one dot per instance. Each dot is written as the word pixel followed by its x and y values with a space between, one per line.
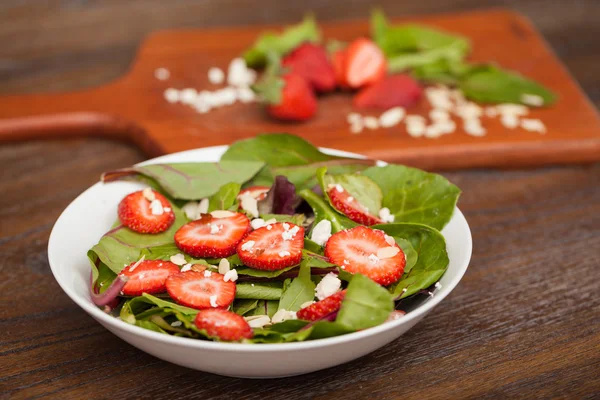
pixel 87 305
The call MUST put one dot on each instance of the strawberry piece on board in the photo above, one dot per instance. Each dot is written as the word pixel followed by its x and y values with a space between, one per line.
pixel 391 91
pixel 365 63
pixel 310 61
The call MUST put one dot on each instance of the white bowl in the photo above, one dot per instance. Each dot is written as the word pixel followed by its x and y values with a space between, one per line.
pixel 91 214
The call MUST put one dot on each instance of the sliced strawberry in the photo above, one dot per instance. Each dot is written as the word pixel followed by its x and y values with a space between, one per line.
pixel 298 102
pixel 272 247
pixel 137 212
pixel 310 61
pixel 323 308
pixel 195 289
pixel 365 63
pixel 258 192
pixel 338 60
pixel 356 250
pixel 212 237
pixel 224 325
pixel 347 205
pixel 147 277
pixel 392 91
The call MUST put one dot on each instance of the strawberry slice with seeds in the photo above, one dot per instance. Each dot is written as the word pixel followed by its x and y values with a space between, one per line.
pixel 363 250
pixel 392 91
pixel 224 325
pixel 338 61
pixel 200 289
pixel 258 192
pixel 272 247
pixel 148 276
pixel 347 205
pixel 364 63
pixel 323 308
pixel 146 211
pixel 212 237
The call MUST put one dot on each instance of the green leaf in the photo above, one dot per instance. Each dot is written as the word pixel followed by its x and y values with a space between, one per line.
pixel 225 198
pixel 283 43
pixel 148 298
pixel 260 291
pixel 323 210
pixel 325 329
pixel 301 290
pixel 432 260
pixel 452 53
pixel 244 306
pixel 362 188
pixel 265 307
pixel 366 304
pixel 312 246
pixel 121 246
pixel 490 84
pixel 409 251
pixel 259 273
pixel 191 181
pixel 413 195
pixel 314 260
pixel 297 219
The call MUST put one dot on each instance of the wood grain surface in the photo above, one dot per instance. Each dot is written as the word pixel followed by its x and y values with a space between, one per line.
pixel 132 107
pixel 523 323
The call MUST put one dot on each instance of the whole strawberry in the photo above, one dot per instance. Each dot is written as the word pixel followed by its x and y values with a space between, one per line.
pixel 310 61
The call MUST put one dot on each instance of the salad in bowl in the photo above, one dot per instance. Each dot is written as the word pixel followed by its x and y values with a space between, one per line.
pixel 277 242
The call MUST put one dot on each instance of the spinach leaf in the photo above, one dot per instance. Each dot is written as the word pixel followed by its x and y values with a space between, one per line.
pixel 432 259
pixel 244 306
pixel 149 299
pixel 416 196
pixel 313 247
pixel 265 307
pixel 314 260
pixel 260 291
pixel 301 290
pixel 325 329
pixel 490 84
pixel 259 273
pixel 191 181
pixel 283 43
pixel 225 198
pixel 121 246
pixel 323 210
pixel 297 219
pixel 366 304
pixel 453 52
pixel 409 252
pixel 362 188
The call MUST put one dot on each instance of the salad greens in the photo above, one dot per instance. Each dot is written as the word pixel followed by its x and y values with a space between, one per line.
pixel 421 203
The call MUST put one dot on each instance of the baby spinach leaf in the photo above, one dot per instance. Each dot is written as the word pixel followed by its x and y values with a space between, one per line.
pixel 362 188
pixel 191 181
pixel 244 306
pixel 148 298
pixel 432 259
pixel 259 273
pixel 297 219
pixel 490 84
pixel 314 260
pixel 325 329
pixel 324 210
pixel 121 246
pixel 301 290
pixel 265 307
pixel 225 198
pixel 288 326
pixel 260 291
pixel 312 246
pixel 282 43
pixel 151 326
pixel 413 195
pixel 409 252
pixel 366 304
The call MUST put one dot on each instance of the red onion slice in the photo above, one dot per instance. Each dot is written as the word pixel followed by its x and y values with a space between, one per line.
pixel 102 299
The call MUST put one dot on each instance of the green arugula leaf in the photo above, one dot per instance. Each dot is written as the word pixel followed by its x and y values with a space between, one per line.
pixel 191 181
pixel 323 210
pixel 490 84
pixel 362 188
pixel 365 305
pixel 301 290
pixel 283 43
pixel 225 198
pixel 413 195
pixel 260 291
pixel 432 259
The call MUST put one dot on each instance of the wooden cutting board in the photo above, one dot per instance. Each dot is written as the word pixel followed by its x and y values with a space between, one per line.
pixel 133 107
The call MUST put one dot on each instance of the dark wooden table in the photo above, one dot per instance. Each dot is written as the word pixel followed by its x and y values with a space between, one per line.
pixel 523 323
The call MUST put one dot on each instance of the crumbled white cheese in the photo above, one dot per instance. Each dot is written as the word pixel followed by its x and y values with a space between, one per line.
pixel 517 110
pixel 439 97
pixel 148 194
pixel 245 95
pixel 269 227
pixel 203 206
pixel 533 125
pixel 248 245
pixel 387 252
pixel 137 263
pixel 207 274
pixel 283 315
pixel 433 131
pixel 353 117
pixel 222 214
pixel 224 266
pixel 238 73
pixel 329 285
pixel 438 285
pixel 445 127
pixel 350 199
pixel 473 127
pixel 491 112
pixel 339 188
pixel 390 240
pixel 391 117
pixel 213 301
pixel 371 122
pixel 509 121
pixel 357 127
pixel 176 323
pixel 284 253
pixel 289 234
pixel 321 232
pixel 186 267
pixel 249 204
pixel 386 215
pixel 414 119
pixel 373 258
pixel 162 74
pixel 231 275
pixel 191 210
pixel 257 223
pixel 532 100
pixel 171 95
pixel 438 114
pixel 469 111
pixel 258 321
pixel 167 209
pixel 346 262
pixel 188 96
pixel 286 226
pixel 156 207
pixel 216 76
pixel 178 259
pixel 214 228
pixel 270 221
